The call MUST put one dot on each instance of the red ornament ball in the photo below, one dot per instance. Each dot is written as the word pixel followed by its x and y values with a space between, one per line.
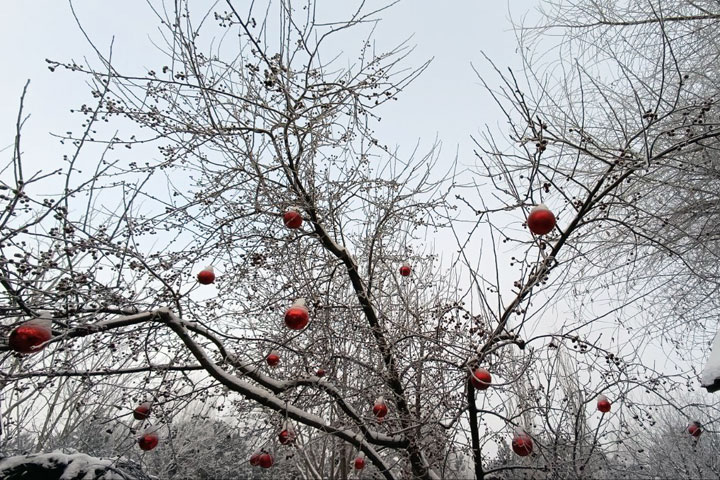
pixel 359 463
pixel 320 372
pixel 405 270
pixel 286 437
pixel 296 317
pixel 695 429
pixel 148 441
pixel 292 219
pixel 206 276
pixel 255 459
pixel 30 337
pixel 541 220
pixel 481 379
pixel 273 359
pixel 266 460
pixel 142 411
pixel 380 410
pixel 522 444
pixel 603 404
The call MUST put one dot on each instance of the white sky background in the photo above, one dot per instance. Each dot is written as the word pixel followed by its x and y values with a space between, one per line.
pixel 447 101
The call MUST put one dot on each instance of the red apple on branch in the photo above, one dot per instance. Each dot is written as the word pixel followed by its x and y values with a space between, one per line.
pixel 206 276
pixel 541 220
pixel 292 218
pixel 695 429
pixel 31 336
pixel 480 378
pixel 266 460
pixel 380 409
pixel 142 411
pixel 297 317
pixel 522 444
pixel 286 435
pixel 148 441
pixel 273 359
pixel 603 404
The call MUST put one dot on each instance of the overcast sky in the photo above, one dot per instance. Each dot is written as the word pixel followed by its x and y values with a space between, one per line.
pixel 447 101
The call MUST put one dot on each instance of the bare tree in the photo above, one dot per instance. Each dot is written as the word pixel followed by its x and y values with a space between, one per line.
pixel 618 138
pixel 642 91
pixel 260 158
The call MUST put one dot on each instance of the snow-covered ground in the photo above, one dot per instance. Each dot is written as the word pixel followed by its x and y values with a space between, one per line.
pixel 63 466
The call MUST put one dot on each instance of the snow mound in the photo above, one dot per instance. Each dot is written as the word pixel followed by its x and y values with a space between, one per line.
pixel 62 466
pixel 711 373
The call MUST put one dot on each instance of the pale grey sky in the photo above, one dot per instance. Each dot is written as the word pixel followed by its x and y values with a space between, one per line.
pixel 446 101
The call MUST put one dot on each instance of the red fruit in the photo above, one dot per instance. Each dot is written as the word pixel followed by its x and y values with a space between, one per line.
pixel 266 460
pixel 286 437
pixel 255 459
pixel 142 411
pixel 541 220
pixel 695 429
pixel 206 276
pixel 405 270
pixel 30 337
pixel 380 409
pixel 480 379
pixel 273 359
pixel 359 463
pixel 603 404
pixel 296 317
pixel 320 372
pixel 522 444
pixel 148 441
pixel 292 219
